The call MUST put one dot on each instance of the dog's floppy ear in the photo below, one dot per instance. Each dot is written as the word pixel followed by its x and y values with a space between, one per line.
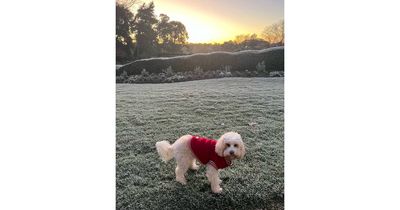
pixel 220 146
pixel 242 150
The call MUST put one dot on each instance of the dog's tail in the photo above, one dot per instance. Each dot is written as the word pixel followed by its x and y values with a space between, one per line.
pixel 165 150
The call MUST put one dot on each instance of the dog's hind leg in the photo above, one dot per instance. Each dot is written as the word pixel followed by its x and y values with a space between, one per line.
pixel 181 168
pixel 194 166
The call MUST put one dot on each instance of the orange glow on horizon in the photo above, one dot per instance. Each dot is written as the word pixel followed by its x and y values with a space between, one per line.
pixel 202 28
pixel 206 26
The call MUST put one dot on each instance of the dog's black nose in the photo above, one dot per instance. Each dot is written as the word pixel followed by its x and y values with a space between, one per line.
pixel 231 152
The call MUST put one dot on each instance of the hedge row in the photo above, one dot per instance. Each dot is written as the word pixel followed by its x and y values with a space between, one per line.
pixel 273 59
pixel 168 75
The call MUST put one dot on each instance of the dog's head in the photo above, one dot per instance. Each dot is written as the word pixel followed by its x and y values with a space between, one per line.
pixel 230 145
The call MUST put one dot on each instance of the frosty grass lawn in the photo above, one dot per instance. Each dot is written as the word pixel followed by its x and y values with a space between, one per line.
pixel 147 113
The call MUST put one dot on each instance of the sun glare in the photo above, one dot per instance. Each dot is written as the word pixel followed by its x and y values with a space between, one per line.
pixel 202 28
pixel 201 31
pixel 209 21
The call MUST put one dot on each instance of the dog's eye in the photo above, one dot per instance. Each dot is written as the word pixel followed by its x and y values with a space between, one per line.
pixel 228 145
pixel 235 145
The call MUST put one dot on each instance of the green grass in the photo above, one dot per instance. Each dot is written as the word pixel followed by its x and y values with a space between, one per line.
pixel 147 113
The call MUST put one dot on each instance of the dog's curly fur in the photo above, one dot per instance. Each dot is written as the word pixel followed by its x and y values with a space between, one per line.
pixel 229 145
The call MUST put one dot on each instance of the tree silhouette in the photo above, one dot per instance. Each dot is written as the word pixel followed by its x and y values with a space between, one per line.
pixel 145 33
pixel 124 23
pixel 172 35
pixel 243 37
pixel 129 4
pixel 275 34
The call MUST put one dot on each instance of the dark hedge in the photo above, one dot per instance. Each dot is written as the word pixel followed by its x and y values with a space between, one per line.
pixel 238 61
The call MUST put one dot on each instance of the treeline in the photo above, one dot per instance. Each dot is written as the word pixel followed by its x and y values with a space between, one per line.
pixel 228 46
pixel 143 35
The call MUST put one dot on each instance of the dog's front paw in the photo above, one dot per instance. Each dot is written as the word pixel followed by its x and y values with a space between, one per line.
pixel 217 190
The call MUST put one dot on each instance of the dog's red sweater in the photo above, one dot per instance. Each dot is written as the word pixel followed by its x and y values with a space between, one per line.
pixel 204 150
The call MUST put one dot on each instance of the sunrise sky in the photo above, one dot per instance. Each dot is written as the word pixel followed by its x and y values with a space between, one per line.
pixel 221 20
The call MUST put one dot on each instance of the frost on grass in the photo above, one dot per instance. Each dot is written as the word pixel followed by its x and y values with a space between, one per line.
pixel 147 113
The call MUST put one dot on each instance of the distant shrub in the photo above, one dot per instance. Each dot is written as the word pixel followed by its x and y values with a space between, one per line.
pixel 210 74
pixel 261 69
pixel 155 78
pixel 133 79
pixel 122 78
pixel 188 75
pixel 276 74
pixel 144 73
pixel 219 73
pixel 238 74
pixel 168 71
pixel 176 78
pixel 226 68
pixel 198 73
pixel 247 73
pixel 226 71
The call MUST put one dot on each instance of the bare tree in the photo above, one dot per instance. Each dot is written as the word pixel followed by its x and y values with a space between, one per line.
pixel 244 37
pixel 275 33
pixel 128 3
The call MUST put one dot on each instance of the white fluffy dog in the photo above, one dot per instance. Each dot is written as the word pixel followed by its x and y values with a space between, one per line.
pixel 214 154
